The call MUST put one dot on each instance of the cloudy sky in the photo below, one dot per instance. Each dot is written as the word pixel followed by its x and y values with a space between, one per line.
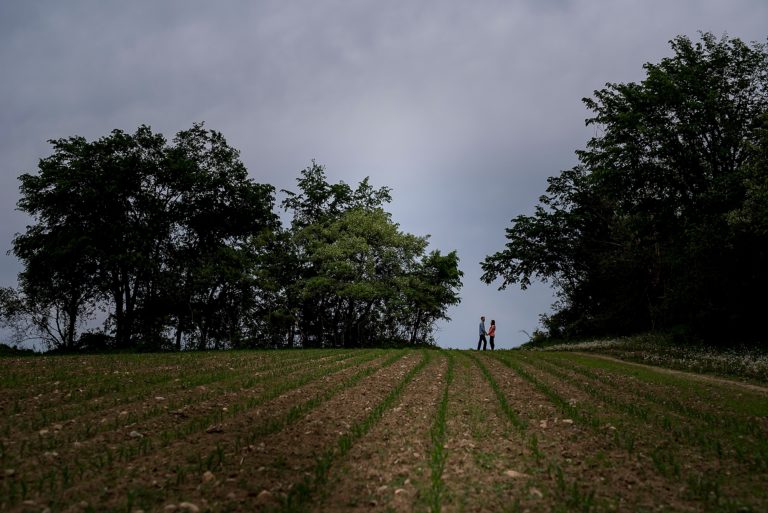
pixel 462 108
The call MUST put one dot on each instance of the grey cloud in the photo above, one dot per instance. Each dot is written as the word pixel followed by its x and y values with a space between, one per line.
pixel 462 108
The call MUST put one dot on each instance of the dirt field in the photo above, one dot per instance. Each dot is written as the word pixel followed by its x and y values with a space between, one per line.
pixel 375 430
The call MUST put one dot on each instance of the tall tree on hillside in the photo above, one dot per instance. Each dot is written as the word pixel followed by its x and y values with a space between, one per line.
pixel 642 234
pixel 220 213
pixel 151 229
pixel 355 274
pixel 317 209
pixel 358 259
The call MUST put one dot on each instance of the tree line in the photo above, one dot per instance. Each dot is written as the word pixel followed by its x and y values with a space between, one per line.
pixel 171 246
pixel 663 224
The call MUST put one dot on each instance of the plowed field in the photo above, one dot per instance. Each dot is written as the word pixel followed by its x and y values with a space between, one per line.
pixel 375 430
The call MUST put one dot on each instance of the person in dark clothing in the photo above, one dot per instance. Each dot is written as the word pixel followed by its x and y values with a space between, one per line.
pixel 482 334
pixel 492 333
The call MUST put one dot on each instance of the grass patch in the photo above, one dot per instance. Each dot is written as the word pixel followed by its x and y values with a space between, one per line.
pixel 745 363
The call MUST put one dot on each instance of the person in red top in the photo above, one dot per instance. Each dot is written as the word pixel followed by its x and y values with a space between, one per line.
pixel 492 332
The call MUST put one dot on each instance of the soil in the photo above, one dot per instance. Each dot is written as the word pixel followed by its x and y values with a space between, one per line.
pixel 110 426
pixel 577 462
pixel 634 443
pixel 586 439
pixel 486 466
pixel 387 470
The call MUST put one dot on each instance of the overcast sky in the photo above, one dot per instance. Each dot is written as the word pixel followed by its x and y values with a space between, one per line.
pixel 462 108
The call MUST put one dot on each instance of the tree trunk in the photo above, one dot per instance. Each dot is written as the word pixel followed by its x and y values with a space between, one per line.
pixel 415 328
pixel 71 323
pixel 130 300
pixel 117 296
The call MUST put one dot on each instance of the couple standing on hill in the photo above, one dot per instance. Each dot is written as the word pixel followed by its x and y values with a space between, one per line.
pixel 491 333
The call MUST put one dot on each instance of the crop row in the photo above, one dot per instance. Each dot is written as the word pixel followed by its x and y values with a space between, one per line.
pixel 559 434
pixel 621 416
pixel 68 465
pixel 107 390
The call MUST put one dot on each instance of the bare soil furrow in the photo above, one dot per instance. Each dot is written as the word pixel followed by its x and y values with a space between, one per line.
pixel 688 402
pixel 177 470
pixel 739 437
pixel 485 453
pixel 54 378
pixel 576 467
pixel 185 401
pixel 374 429
pixel 35 413
pixel 387 470
pixel 703 392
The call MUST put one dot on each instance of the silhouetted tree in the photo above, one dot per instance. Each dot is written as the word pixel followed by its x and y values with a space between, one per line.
pixel 153 229
pixel 659 226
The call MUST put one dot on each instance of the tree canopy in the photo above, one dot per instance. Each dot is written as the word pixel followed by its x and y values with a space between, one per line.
pixel 359 280
pixel 662 225
pixel 174 246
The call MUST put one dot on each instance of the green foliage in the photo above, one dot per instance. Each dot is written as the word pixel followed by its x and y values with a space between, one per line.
pixel 6 350
pixel 355 278
pixel 663 223
pixel 182 249
pixel 154 230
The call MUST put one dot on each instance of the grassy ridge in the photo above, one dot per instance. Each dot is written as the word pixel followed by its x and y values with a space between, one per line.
pixel 749 363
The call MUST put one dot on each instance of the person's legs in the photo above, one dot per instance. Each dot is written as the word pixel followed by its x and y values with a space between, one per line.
pixel 485 343
pixel 492 343
pixel 479 341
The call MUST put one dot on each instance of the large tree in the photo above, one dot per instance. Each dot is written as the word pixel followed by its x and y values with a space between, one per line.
pixel 151 230
pixel 357 279
pixel 659 226
pixel 222 216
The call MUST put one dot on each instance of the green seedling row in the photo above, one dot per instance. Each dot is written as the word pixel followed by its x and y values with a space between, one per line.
pixel 125 391
pixel 672 399
pixel 511 414
pixel 637 439
pixel 92 376
pixel 437 455
pixel 571 496
pixel 707 392
pixel 663 456
pixel 83 431
pixel 301 494
pixel 710 436
pixel 221 455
